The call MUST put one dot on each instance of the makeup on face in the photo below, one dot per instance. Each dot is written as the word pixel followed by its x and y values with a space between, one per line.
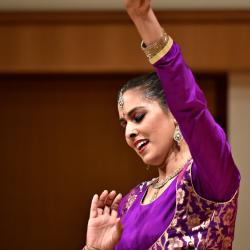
pixel 135 115
pixel 148 127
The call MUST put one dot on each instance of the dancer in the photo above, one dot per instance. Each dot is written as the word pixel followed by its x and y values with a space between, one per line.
pixel 192 204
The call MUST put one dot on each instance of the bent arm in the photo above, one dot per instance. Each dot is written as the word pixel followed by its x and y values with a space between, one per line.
pixel 215 175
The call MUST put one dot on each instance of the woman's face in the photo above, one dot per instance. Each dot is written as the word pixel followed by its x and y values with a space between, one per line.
pixel 148 127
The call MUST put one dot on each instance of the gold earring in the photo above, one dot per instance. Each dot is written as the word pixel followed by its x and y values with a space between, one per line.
pixel 178 137
pixel 147 167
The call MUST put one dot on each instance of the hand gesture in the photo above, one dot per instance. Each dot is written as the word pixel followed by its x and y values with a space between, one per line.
pixel 104 227
pixel 144 18
pixel 139 7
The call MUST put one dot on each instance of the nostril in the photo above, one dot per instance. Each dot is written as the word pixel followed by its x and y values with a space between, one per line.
pixel 132 135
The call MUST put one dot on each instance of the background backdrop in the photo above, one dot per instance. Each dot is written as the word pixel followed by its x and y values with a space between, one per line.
pixel 60 137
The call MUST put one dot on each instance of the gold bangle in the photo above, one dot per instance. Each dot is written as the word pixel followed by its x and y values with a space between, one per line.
pixel 154 48
pixel 91 248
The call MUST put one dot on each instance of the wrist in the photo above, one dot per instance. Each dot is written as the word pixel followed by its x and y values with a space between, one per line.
pixel 148 26
pixel 138 13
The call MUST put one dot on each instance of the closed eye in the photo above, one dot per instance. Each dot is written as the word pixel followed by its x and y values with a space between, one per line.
pixel 138 118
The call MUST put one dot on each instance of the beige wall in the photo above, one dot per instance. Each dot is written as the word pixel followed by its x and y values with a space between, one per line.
pixel 117 4
pixel 238 126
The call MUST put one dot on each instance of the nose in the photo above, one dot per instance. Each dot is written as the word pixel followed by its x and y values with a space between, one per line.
pixel 131 132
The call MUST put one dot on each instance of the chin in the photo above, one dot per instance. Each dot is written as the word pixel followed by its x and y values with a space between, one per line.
pixel 152 161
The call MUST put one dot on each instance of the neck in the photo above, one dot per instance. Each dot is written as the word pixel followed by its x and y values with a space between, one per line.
pixel 175 160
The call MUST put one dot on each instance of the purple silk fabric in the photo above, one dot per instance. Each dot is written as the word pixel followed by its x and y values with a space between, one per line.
pixel 144 224
pixel 214 174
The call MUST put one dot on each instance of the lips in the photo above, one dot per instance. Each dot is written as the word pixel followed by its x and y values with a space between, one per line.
pixel 140 145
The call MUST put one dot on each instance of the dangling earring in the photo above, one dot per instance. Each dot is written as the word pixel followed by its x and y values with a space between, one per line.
pixel 178 137
pixel 147 167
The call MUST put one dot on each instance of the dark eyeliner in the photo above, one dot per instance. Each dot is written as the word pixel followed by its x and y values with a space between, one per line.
pixel 139 118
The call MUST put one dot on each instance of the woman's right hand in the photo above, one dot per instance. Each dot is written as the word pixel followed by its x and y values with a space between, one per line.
pixel 104 226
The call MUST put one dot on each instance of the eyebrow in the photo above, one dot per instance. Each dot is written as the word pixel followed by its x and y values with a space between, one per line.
pixel 131 112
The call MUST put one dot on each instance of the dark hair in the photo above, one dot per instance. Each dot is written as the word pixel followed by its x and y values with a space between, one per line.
pixel 150 85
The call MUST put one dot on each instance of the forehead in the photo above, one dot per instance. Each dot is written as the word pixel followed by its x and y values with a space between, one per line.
pixel 131 99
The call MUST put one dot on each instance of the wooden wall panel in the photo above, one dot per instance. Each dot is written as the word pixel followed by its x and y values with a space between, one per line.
pixel 60 138
pixel 108 42
pixel 61 142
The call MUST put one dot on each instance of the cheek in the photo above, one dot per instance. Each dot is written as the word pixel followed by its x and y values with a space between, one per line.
pixel 163 130
pixel 162 139
pixel 127 141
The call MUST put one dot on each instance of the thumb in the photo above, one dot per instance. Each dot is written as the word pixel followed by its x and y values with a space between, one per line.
pixel 118 229
pixel 119 225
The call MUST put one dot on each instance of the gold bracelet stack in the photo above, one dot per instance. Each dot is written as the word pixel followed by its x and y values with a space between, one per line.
pixel 154 48
pixel 87 247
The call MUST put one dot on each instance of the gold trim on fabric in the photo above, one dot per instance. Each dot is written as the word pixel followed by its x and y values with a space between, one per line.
pixel 176 202
pixel 188 169
pixel 163 52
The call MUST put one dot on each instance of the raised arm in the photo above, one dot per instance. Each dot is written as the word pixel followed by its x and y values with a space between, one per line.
pixel 215 175
pixel 142 15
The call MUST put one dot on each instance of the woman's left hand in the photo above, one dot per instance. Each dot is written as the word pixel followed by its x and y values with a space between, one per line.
pixel 104 226
pixel 143 16
pixel 138 7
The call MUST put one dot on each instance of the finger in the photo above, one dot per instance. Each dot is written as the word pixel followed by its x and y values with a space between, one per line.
pixel 115 205
pixel 99 211
pixel 103 197
pixel 114 213
pixel 93 207
pixel 106 210
pixel 110 198
pixel 119 229
pixel 119 225
pixel 116 201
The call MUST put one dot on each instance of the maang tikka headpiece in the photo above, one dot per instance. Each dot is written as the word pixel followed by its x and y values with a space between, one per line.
pixel 120 101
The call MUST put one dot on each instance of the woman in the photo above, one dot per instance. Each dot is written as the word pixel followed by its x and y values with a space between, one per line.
pixel 193 202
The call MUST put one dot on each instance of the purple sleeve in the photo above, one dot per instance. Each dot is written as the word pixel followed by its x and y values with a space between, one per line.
pixel 214 173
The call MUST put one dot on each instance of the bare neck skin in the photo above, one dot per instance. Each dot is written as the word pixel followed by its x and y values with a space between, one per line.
pixel 176 159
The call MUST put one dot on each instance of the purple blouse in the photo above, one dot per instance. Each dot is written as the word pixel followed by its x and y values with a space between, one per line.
pixel 214 174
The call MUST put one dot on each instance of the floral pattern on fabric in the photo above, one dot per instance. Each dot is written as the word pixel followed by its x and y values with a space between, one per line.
pixel 198 223
pixel 131 197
